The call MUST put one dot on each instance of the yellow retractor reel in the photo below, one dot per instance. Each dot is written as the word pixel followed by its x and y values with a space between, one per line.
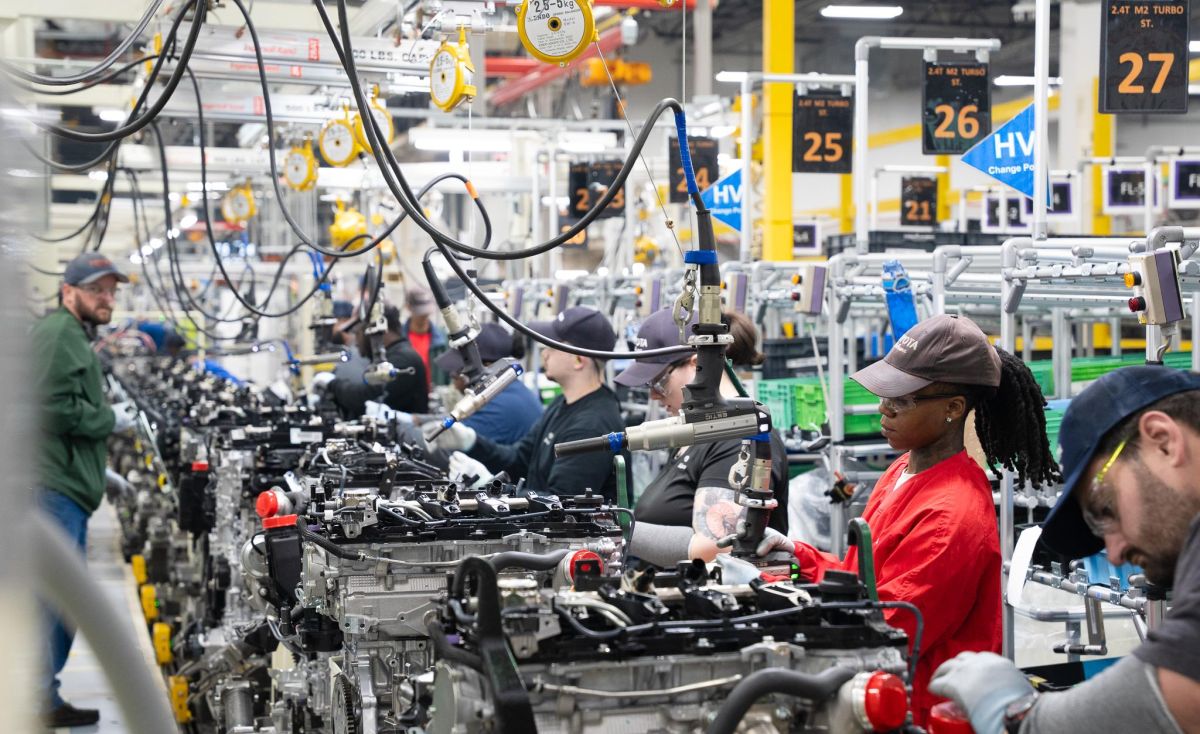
pixel 451 73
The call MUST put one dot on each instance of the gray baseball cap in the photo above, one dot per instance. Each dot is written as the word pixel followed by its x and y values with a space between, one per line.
pixel 420 301
pixel 90 267
pixel 657 331
pixel 943 348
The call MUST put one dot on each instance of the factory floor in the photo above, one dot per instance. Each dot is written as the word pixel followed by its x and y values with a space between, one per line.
pixel 84 685
pixel 83 682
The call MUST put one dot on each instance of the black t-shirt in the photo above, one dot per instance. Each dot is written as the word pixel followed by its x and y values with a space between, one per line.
pixel 1175 645
pixel 669 498
pixel 409 390
pixel 596 414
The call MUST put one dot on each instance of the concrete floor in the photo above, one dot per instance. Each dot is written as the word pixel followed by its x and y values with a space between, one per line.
pixel 83 682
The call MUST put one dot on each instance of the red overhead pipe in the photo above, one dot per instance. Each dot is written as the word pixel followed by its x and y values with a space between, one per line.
pixel 513 90
pixel 509 65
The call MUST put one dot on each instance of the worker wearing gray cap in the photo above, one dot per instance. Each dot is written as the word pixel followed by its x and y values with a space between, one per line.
pixel 76 420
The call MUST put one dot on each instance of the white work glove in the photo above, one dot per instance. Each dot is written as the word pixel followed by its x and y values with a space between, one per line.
pixel 775 542
pixel 116 487
pixel 383 412
pixel 463 467
pixel 735 570
pixel 983 684
pixel 455 438
pixel 126 416
pixel 320 381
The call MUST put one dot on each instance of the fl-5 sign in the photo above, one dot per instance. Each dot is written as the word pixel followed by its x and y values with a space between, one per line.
pixel 1144 56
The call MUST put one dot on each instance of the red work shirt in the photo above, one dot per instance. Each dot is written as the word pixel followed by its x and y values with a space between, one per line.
pixel 936 545
pixel 420 343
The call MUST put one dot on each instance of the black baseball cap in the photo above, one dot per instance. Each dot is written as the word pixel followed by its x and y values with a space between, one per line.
pixel 657 331
pixel 1090 416
pixel 343 309
pixel 494 343
pixel 580 326
pixel 944 348
pixel 90 267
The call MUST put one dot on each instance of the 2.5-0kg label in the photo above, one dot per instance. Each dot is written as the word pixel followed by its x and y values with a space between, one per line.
pixel 555 30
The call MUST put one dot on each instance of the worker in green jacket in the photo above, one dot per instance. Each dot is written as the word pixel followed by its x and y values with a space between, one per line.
pixel 76 421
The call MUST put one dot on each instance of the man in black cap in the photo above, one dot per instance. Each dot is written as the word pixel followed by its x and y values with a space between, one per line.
pixel 509 415
pixel 76 421
pixel 587 408
pixel 1131 468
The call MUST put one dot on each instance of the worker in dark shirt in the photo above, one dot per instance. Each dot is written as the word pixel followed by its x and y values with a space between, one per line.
pixel 409 389
pixel 691 503
pixel 511 414
pixel 587 408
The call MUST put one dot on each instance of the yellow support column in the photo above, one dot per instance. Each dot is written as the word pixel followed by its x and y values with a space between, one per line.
pixel 846 213
pixel 943 189
pixel 778 58
pixel 1103 143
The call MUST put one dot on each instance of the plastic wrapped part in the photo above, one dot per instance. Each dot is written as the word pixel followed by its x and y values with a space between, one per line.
pixel 809 508
pixel 238 701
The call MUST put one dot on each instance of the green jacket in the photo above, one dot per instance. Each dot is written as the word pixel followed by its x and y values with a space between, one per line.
pixel 76 417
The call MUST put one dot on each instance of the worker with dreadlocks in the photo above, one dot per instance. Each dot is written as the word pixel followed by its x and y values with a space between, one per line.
pixel 931 513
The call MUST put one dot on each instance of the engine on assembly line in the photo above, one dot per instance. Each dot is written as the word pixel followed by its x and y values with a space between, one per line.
pixel 300 573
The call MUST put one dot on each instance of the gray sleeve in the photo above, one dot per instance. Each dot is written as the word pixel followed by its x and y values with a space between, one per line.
pixel 1124 697
pixel 662 545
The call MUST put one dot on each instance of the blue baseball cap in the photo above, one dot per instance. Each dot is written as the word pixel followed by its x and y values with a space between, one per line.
pixel 90 267
pixel 1092 414
pixel 581 327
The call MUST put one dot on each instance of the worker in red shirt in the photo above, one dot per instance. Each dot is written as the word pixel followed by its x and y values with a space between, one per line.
pixel 932 518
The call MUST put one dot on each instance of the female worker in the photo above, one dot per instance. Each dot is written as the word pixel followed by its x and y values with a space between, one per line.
pixel 691 503
pixel 931 514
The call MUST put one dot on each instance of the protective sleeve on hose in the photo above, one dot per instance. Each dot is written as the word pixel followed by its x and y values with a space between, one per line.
pixel 685 153
pixel 68 587
pixel 327 544
pixel 776 680
pixel 531 561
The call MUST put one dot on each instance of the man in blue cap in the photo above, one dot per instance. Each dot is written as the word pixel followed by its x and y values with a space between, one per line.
pixel 76 421
pixel 1131 468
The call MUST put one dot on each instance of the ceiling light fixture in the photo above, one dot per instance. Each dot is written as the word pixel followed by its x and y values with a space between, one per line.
pixel 862 12
pixel 731 77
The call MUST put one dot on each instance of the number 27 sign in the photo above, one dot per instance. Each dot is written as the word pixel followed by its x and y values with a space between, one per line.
pixel 1144 56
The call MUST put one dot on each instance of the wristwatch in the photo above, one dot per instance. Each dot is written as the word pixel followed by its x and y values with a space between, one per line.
pixel 1015 712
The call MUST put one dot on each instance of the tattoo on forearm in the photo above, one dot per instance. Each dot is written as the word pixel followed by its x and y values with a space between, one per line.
pixel 715 512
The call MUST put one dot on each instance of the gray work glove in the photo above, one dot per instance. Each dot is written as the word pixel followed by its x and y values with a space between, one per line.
pixel 983 684
pixel 775 542
pixel 116 487
pixel 455 438
pixel 126 416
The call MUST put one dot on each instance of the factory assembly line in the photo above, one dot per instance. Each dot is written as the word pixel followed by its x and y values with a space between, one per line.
pixel 445 368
